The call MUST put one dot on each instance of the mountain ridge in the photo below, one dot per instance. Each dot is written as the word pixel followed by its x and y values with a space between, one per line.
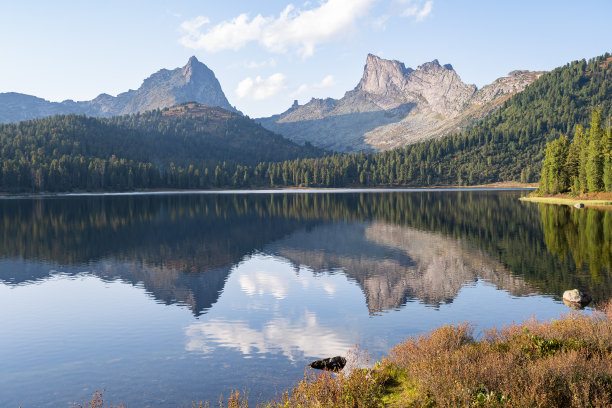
pixel 393 105
pixel 194 82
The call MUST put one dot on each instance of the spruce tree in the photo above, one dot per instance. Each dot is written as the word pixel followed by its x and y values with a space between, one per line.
pixel 595 162
pixel 607 153
pixel 573 159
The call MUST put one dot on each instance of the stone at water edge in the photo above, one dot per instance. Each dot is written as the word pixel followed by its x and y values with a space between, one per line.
pixel 576 296
pixel 330 364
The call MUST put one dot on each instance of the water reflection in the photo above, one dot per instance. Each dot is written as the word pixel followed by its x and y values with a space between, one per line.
pixel 396 246
pixel 394 264
pixel 248 288
pixel 585 235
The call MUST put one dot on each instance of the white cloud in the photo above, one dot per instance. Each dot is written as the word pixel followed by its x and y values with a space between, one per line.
pixel 380 23
pixel 260 64
pixel 417 11
pixel 232 35
pixel 326 82
pixel 260 88
pixel 301 89
pixel 297 28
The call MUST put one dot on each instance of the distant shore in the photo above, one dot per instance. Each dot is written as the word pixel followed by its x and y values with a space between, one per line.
pixel 593 200
pixel 279 190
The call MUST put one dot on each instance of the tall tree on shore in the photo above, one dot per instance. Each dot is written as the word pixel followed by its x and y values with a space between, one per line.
pixel 595 159
pixel 554 171
pixel 607 152
pixel 573 163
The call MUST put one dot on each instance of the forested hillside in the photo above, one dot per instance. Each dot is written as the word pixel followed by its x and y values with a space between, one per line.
pixel 148 150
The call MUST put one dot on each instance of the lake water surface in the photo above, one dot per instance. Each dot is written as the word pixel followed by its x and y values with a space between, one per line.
pixel 167 299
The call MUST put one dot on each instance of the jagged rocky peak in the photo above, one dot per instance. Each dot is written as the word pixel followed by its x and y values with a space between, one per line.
pixel 193 68
pixel 379 75
pixel 394 105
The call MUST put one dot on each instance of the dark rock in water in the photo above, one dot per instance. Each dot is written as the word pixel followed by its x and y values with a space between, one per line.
pixel 576 297
pixel 330 364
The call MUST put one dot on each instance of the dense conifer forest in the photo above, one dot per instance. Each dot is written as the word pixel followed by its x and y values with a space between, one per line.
pixel 192 146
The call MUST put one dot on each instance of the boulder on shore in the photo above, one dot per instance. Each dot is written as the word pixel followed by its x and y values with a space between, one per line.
pixel 576 297
pixel 330 364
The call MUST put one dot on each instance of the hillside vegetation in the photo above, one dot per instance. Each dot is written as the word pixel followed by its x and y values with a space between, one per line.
pixel 162 148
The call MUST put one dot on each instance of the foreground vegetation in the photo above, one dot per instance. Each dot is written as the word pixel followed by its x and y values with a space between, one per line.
pixel 558 363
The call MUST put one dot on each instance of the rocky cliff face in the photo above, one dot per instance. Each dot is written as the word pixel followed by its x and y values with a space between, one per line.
pixel 194 82
pixel 393 106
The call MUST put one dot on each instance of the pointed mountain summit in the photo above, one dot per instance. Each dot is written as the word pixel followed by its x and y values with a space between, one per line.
pixel 382 76
pixel 194 82
pixel 393 105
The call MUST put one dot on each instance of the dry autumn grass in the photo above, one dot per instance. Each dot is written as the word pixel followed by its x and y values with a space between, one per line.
pixel 559 363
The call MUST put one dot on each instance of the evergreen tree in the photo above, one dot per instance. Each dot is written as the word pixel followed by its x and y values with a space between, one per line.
pixel 595 162
pixel 607 153
pixel 554 172
pixel 573 159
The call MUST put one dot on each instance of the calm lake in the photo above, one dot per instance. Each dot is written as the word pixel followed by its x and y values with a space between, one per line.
pixel 167 299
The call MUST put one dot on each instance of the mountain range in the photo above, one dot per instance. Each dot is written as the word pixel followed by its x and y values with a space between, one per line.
pixel 194 82
pixel 393 106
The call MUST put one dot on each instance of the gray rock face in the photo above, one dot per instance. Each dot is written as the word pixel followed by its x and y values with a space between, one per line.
pixel 393 106
pixel 194 82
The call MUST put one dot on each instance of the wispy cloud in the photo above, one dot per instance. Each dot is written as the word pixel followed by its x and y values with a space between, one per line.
pixel 417 9
pixel 261 88
pixel 326 82
pixel 260 64
pixel 303 29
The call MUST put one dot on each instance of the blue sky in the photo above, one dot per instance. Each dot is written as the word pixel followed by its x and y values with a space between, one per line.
pixel 266 54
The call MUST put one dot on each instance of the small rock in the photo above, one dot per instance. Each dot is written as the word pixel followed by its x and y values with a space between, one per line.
pixel 576 296
pixel 330 364
pixel 579 205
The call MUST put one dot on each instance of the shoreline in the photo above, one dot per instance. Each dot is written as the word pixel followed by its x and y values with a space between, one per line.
pixel 281 190
pixel 594 202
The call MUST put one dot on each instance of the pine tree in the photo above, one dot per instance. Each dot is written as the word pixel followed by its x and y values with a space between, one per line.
pixel 607 153
pixel 573 159
pixel 594 165
pixel 554 172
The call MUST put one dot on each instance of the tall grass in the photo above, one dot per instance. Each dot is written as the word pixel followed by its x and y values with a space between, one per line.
pixel 560 363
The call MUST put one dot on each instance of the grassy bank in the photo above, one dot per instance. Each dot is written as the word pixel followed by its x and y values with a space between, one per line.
pixel 593 200
pixel 559 363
